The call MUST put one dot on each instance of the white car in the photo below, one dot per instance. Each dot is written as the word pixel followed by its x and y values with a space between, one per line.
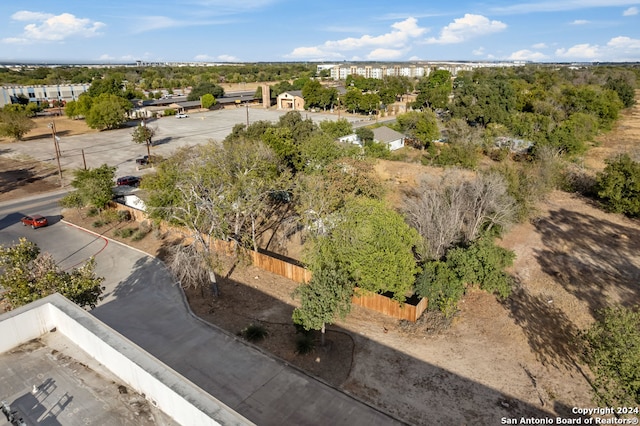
pixel 181 115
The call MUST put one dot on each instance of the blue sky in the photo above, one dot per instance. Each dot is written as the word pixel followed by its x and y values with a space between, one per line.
pixel 328 30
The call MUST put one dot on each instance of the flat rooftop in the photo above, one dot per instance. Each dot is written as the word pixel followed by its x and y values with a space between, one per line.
pixel 51 381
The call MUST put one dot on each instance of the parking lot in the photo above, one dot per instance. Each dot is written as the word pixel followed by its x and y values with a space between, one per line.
pixel 116 148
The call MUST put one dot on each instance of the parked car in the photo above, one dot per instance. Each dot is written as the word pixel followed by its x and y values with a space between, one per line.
pixel 182 115
pixel 128 180
pixel 35 221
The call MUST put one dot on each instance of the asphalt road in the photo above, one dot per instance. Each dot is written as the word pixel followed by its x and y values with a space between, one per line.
pixel 69 246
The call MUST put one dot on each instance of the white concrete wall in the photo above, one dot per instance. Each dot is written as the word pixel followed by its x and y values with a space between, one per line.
pixel 24 324
pixel 397 144
pixel 173 394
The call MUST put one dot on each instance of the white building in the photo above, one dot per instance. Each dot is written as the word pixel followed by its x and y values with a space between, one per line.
pixel 39 93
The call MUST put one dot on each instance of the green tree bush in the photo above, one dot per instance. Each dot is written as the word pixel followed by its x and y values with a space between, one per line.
pixel 94 187
pixel 613 353
pixel 373 244
pixel 108 112
pixel 481 263
pixel 618 185
pixel 326 297
pixel 14 123
pixel 28 275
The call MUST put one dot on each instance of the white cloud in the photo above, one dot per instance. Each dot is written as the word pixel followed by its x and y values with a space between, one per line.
pixel 47 27
pixel 150 23
pixel 209 58
pixel 479 51
pixel 25 15
pixel 527 55
pixel 540 46
pixel 381 54
pixel 467 27
pixel 580 22
pixel 398 39
pixel 579 51
pixel 622 49
pixel 632 11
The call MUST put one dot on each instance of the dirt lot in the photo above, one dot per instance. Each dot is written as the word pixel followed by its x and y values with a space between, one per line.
pixel 20 177
pixel 496 359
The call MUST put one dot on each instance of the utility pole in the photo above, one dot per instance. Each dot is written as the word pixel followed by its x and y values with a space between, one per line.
pixel 247 106
pixel 56 147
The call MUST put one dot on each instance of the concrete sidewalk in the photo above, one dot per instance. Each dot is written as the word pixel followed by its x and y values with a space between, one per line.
pixel 150 310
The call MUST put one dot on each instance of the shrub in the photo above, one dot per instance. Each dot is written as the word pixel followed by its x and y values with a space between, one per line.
pixel 305 344
pixel 481 263
pixel 98 223
pixel 124 232
pixel 169 112
pixel 110 216
pixel 254 332
pixel 139 234
pixel 618 185
pixel 142 231
pixel 71 200
pixel 613 353
pixel 461 154
pixel 376 150
pixel 92 212
pixel 124 215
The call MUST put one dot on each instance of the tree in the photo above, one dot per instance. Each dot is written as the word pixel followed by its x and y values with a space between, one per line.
pixel 208 100
pixel 454 210
pixel 421 126
pixel 108 112
pixel 219 191
pixel 613 353
pixel 326 297
pixel 28 275
pixel 312 94
pixel 434 90
pixel 336 128
pixel 108 85
pixel 365 134
pixel 15 124
pixel 94 186
pixel 143 134
pixel 204 88
pixel 373 245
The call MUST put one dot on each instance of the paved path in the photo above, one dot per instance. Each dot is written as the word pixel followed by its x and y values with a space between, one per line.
pixel 150 310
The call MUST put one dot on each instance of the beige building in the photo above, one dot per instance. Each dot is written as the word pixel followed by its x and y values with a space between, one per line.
pixel 292 100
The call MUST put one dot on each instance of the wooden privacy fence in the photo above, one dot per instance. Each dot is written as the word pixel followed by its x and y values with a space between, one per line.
pixel 390 307
pixel 376 302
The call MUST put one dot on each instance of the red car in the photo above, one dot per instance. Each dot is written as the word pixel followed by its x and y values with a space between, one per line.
pixel 36 221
